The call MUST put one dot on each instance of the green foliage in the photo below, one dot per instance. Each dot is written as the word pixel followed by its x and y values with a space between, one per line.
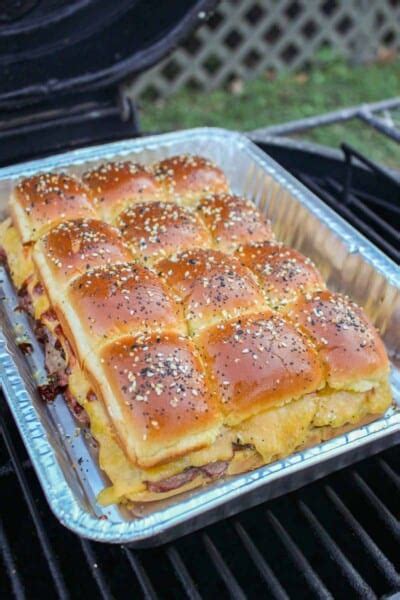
pixel 328 85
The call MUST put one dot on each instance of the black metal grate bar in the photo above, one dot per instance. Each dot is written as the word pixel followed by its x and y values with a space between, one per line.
pixel 38 523
pixel 390 522
pixel 10 566
pixel 380 560
pixel 389 207
pixel 97 573
pixel 359 586
pixel 317 587
pixel 147 588
pixel 266 572
pixel 223 570
pixel 366 213
pixel 385 174
pixel 317 186
pixel 391 474
pixel 182 573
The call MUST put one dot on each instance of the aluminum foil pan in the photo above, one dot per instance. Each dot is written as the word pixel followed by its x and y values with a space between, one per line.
pixel 62 454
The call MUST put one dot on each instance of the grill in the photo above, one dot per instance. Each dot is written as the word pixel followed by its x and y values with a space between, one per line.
pixel 338 537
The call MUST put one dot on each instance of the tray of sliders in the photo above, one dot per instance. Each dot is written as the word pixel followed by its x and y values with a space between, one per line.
pixel 187 331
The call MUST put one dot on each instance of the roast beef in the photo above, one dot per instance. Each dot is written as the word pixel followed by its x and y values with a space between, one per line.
pixel 212 471
pixel 24 299
pixel 3 257
pixel 49 390
pixel 55 359
pixel 174 482
pixel 77 410
pixel 216 469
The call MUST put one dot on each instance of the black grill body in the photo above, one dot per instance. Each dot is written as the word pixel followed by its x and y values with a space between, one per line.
pixel 336 538
pixel 62 63
pixel 56 48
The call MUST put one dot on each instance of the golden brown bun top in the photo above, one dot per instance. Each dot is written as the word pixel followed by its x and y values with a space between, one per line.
pixel 160 229
pixel 258 361
pixel 233 220
pixel 348 344
pixel 47 199
pixel 160 384
pixel 124 298
pixel 114 185
pixel 74 247
pixel 283 272
pixel 211 284
pixel 186 178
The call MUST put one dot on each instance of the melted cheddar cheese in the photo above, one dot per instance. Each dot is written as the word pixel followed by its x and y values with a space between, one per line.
pixel 273 434
pixel 40 301
pixel 336 409
pixel 279 431
pixel 20 264
pixel 18 256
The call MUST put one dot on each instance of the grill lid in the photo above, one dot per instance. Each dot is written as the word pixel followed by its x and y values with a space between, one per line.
pixel 52 48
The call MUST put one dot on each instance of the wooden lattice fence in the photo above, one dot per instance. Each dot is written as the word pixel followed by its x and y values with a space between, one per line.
pixel 243 38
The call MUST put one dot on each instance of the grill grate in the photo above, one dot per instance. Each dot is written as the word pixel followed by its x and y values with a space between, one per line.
pixel 355 211
pixel 330 539
pixel 338 537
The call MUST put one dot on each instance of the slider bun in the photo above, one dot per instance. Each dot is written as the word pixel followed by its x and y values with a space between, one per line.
pixel 282 271
pixel 212 286
pixel 186 178
pixel 155 391
pixel 111 301
pixel 348 344
pixel 115 185
pixel 158 229
pixel 233 220
pixel 40 202
pixel 257 362
pixel 74 247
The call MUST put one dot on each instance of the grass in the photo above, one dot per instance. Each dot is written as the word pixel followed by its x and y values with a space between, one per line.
pixel 328 85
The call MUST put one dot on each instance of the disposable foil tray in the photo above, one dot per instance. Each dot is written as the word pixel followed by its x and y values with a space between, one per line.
pixel 62 453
